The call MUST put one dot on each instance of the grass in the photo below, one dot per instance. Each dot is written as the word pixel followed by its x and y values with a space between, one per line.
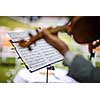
pixel 5 67
pixel 12 23
pixel 60 65
pixel 4 78
pixel 8 70
pixel 98 64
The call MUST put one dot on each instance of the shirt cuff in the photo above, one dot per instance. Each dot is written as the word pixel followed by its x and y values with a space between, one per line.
pixel 68 58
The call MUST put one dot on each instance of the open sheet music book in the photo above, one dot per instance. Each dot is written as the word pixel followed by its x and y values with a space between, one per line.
pixel 41 55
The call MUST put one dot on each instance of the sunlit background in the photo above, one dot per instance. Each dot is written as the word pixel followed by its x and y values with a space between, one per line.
pixel 10 65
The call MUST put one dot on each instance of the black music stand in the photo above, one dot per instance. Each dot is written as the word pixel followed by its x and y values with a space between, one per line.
pixel 49 67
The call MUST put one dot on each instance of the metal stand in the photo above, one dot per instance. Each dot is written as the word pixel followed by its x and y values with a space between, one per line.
pixel 49 68
pixel 92 55
pixel 19 57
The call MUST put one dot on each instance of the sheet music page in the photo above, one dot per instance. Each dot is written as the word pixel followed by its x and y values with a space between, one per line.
pixel 41 55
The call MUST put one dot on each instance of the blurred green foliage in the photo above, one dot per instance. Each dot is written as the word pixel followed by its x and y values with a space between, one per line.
pixel 12 23
pixel 7 67
pixel 8 70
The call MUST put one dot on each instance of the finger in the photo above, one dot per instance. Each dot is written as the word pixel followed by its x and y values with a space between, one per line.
pixel 45 31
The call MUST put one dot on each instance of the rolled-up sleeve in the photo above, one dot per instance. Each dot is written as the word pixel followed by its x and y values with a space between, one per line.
pixel 68 58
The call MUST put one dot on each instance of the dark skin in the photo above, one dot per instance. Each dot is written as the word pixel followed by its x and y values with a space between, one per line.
pixel 52 37
pixel 80 69
pixel 55 41
pixel 84 29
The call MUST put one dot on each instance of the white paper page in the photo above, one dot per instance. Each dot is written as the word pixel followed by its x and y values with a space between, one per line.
pixel 41 55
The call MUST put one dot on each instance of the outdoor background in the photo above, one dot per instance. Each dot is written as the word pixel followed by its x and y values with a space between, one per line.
pixel 9 64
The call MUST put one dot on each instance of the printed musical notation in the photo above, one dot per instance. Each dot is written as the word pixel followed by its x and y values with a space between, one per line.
pixel 41 55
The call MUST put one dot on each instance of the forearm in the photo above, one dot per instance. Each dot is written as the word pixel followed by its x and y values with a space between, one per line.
pixel 55 42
